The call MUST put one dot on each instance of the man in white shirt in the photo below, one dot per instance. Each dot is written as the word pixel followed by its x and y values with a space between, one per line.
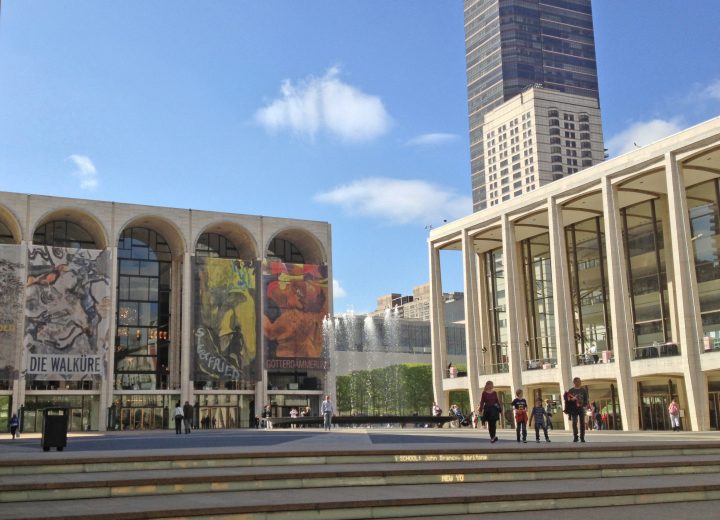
pixel 327 411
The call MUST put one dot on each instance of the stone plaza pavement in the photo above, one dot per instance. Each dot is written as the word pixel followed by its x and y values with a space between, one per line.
pixel 374 473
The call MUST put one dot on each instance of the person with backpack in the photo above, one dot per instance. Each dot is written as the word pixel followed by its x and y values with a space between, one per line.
pixel 14 424
pixel 490 409
pixel 575 403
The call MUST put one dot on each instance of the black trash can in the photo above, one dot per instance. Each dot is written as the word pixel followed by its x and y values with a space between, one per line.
pixel 55 427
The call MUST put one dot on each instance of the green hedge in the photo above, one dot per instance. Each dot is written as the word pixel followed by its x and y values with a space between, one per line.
pixel 395 390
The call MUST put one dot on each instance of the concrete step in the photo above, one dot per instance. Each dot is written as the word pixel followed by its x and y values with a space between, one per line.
pixel 65 463
pixel 70 486
pixel 399 501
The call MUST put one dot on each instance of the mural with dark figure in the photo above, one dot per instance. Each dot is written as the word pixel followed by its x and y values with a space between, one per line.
pixel 224 320
pixel 67 306
pixel 296 301
pixel 11 290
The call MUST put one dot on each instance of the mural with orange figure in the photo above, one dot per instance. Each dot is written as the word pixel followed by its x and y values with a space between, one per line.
pixel 296 301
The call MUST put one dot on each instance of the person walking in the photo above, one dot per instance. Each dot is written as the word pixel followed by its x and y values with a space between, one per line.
pixel 178 418
pixel 674 411
pixel 540 416
pixel 293 415
pixel 490 409
pixel 327 411
pixel 521 417
pixel 577 399
pixel 187 416
pixel 14 424
pixel 549 413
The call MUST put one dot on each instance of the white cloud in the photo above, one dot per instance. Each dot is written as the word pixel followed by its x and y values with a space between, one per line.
pixel 431 139
pixel 86 171
pixel 712 91
pixel 325 103
pixel 398 201
pixel 338 290
pixel 642 133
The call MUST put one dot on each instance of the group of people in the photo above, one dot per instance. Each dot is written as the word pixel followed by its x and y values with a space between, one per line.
pixel 540 414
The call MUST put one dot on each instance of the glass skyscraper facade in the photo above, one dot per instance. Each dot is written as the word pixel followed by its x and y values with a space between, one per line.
pixel 513 44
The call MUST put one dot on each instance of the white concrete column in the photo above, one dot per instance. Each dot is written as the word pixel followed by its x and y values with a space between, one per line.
pixel 482 335
pixel 512 264
pixel 689 325
pixel 472 332
pixel 261 383
pixel 18 395
pixel 437 328
pixel 620 307
pixel 562 299
pixel 186 340
pixel 108 384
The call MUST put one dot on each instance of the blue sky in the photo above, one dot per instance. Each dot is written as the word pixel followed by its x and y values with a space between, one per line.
pixel 352 112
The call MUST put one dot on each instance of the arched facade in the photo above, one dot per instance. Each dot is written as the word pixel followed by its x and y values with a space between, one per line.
pixel 130 351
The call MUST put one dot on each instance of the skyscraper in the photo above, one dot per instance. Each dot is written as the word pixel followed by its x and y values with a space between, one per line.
pixel 513 44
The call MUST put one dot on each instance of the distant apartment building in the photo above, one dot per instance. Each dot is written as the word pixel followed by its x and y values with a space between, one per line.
pixel 417 306
pixel 513 44
pixel 537 137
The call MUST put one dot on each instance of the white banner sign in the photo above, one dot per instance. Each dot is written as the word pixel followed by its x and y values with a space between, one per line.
pixel 73 367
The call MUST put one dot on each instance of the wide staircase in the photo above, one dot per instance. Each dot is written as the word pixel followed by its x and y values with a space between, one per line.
pixel 399 483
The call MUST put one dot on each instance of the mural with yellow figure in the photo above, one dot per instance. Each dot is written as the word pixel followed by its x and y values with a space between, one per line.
pixel 296 301
pixel 224 326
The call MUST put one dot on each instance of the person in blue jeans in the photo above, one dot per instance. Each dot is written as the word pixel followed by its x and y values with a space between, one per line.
pixel 521 416
pixel 575 403
pixel 540 416
pixel 327 412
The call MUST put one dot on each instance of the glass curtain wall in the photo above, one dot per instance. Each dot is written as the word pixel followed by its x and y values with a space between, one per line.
pixel 497 300
pixel 588 287
pixel 540 348
pixel 144 290
pixel 644 247
pixel 705 229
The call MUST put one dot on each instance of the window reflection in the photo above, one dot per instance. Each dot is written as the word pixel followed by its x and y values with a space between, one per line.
pixel 143 316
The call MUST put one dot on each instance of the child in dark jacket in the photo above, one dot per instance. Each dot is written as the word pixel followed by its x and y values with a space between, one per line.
pixel 540 416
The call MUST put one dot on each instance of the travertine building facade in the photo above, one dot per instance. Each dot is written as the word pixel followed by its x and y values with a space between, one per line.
pixel 611 274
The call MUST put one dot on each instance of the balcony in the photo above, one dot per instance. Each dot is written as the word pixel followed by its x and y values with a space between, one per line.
pixel 540 364
pixel 656 350
pixel 593 358
pixel 495 368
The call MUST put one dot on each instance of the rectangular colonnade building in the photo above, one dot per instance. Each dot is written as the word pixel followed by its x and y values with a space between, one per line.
pixel 119 311
pixel 611 274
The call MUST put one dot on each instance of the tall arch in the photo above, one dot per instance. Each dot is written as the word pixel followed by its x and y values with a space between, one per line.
pixel 226 239
pixel 148 307
pixel 10 231
pixel 296 246
pixel 70 227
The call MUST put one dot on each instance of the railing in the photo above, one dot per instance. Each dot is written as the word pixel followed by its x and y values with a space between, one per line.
pixel 593 358
pixel 656 350
pixel 495 368
pixel 710 344
pixel 540 364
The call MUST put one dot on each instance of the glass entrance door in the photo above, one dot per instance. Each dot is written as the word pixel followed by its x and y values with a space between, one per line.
pixel 653 412
pixel 212 417
pixel 714 398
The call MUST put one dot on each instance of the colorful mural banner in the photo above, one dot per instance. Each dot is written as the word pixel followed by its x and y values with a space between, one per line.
pixel 67 313
pixel 12 285
pixel 224 320
pixel 296 301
